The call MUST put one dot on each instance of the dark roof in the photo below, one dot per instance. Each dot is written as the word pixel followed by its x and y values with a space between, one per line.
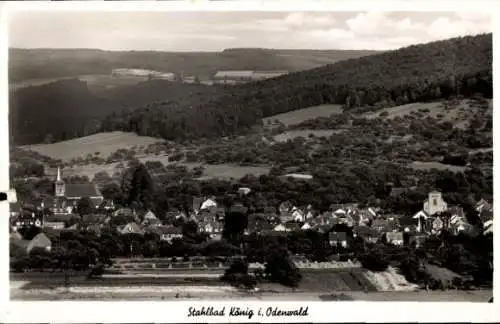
pixel 93 218
pixel 337 236
pixel 294 226
pixel 15 207
pixel 407 221
pixel 81 190
pixel 61 217
pixel 486 215
pixel 365 231
pixel 170 230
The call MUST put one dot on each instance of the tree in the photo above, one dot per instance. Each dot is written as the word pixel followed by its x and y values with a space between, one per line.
pixel 375 260
pixel 85 206
pixel 280 268
pixel 142 188
pixel 235 223
pixel 112 191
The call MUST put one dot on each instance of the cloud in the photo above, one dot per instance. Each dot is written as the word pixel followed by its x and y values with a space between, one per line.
pixel 213 31
pixel 385 30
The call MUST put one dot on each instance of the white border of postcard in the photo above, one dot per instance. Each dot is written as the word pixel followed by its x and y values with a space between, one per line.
pixel 176 311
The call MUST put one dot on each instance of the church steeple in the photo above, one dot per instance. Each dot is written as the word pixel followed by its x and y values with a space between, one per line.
pixel 60 186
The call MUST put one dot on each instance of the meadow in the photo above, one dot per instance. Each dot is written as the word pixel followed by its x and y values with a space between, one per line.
pixel 300 115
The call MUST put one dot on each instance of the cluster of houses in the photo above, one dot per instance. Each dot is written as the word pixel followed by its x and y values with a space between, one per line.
pixel 369 223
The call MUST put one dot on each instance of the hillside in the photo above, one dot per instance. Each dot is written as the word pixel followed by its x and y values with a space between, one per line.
pixel 29 64
pixel 68 108
pixel 419 73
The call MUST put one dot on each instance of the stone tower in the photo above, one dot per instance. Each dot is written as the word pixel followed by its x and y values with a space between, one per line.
pixel 60 186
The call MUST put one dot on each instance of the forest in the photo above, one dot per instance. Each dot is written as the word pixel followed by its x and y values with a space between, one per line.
pixel 419 73
pixel 434 71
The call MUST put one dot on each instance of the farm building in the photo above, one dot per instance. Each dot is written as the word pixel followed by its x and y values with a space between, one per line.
pixel 235 77
pixel 144 73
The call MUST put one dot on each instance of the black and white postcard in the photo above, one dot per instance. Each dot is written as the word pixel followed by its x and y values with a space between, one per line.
pixel 237 162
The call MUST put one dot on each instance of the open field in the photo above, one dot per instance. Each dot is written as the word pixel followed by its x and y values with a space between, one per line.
pixel 458 115
pixel 93 80
pixel 436 165
pixel 301 115
pixel 104 143
pixel 220 171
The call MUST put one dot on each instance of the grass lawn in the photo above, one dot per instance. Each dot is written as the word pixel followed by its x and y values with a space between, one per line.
pixel 104 143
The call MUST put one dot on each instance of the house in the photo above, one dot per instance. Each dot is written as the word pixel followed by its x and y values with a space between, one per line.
pixel 437 225
pixel 127 212
pixel 257 223
pixel 212 228
pixel 488 227
pixel 208 204
pixel 380 225
pixel 293 226
pixel 149 215
pixel 61 217
pixel 244 191
pixel 39 241
pixel 66 196
pixel 337 238
pixel 368 234
pixel 107 206
pixel 298 215
pixel 323 228
pixel 130 228
pixel 421 217
pixel 94 228
pixel 395 238
pixel 435 204
pixel 417 239
pixel 407 224
pixel 486 215
pixel 93 219
pixel 54 225
pixel 482 205
pixel 14 209
pixel 306 226
pixel 280 228
pixel 169 233
pixel 27 219
pixel 151 222
pixel 285 208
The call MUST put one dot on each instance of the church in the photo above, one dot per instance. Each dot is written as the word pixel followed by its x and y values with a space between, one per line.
pixel 67 195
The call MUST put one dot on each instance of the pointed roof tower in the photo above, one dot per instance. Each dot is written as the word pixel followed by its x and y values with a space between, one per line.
pixel 58 179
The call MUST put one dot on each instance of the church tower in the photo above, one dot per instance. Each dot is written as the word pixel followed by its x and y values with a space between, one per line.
pixel 60 186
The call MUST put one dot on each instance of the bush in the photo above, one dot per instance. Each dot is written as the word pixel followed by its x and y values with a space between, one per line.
pixel 281 269
pixel 375 261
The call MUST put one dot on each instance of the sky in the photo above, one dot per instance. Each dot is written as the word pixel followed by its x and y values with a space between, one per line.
pixel 215 31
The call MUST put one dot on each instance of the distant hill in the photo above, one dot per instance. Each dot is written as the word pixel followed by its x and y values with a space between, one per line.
pixel 29 64
pixel 418 73
pixel 66 109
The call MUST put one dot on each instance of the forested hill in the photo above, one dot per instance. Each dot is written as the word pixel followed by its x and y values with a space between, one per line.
pixel 458 66
pixel 67 109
